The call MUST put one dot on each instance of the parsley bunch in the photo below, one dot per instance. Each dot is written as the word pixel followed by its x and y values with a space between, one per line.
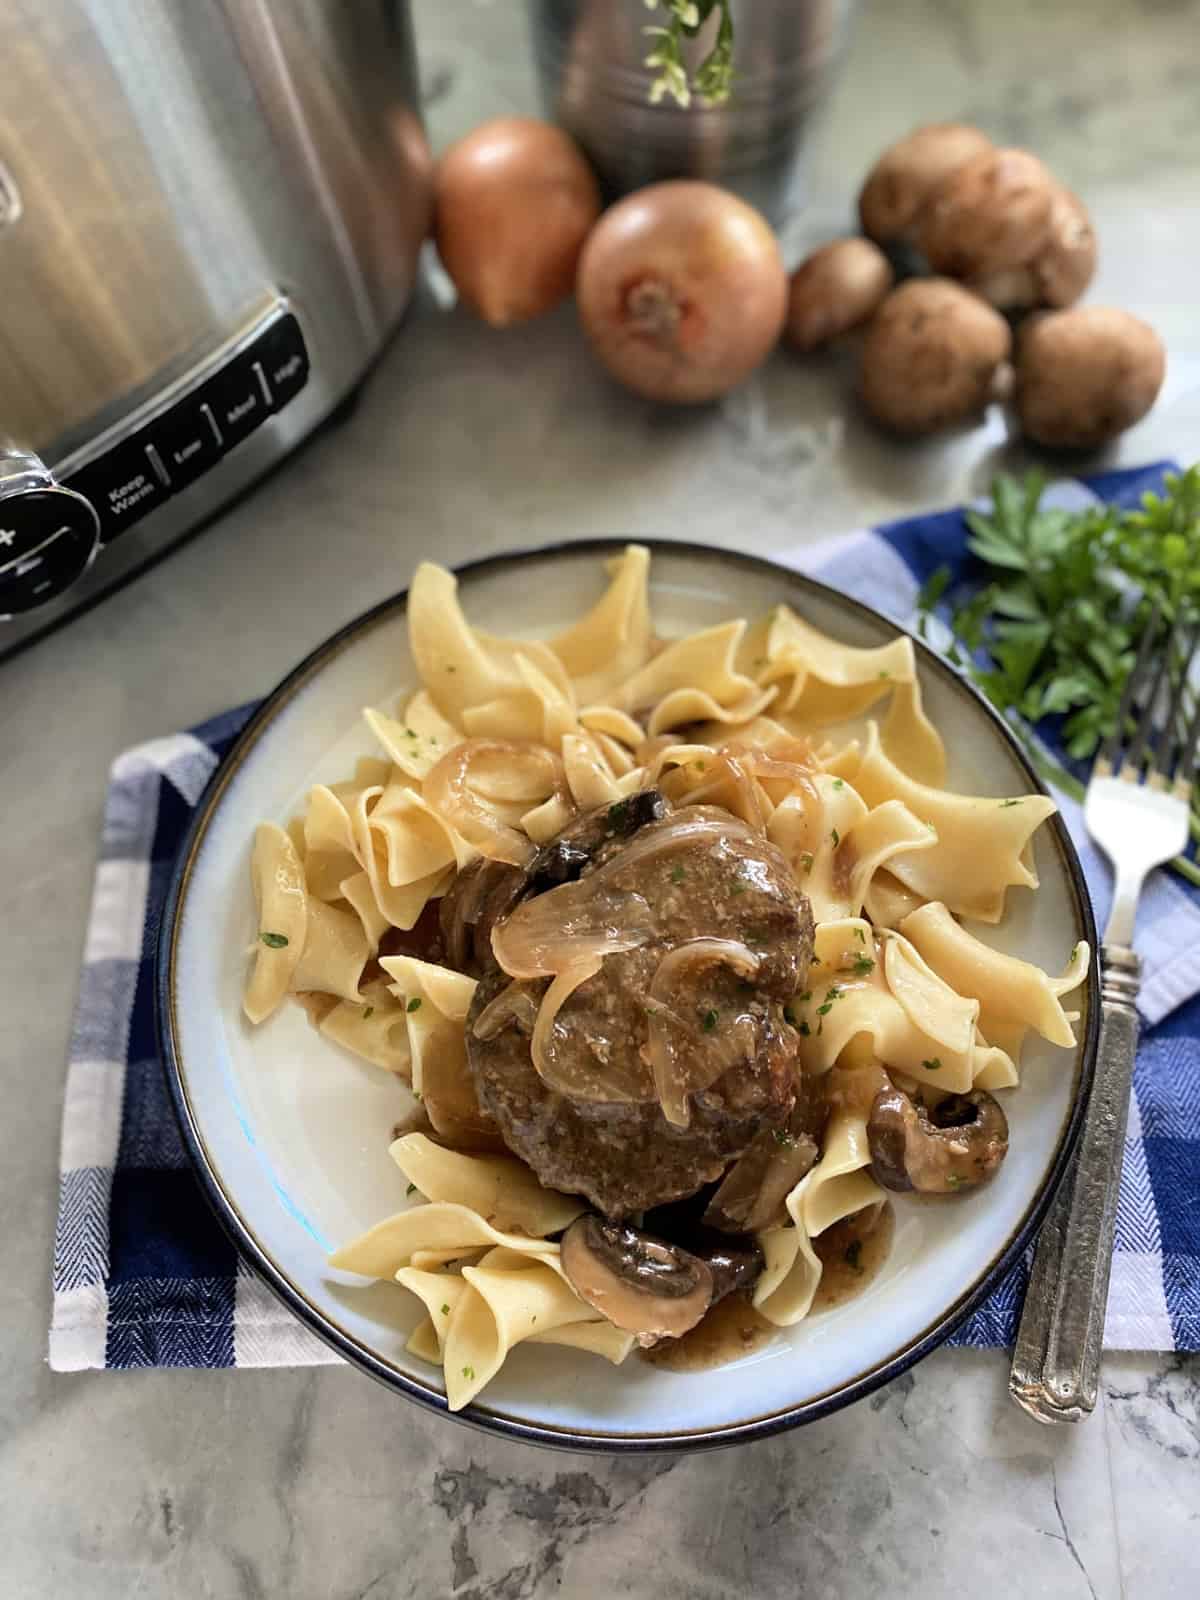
pixel 1055 628
pixel 713 78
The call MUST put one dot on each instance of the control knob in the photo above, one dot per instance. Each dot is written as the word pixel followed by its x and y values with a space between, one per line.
pixel 48 534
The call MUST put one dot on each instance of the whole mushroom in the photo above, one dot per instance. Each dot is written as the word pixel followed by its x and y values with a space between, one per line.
pixel 906 174
pixel 1085 375
pixel 835 289
pixel 957 1145
pixel 934 354
pixel 1059 273
pixel 988 215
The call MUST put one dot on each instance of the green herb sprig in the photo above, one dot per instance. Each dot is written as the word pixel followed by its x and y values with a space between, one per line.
pixel 713 78
pixel 1056 627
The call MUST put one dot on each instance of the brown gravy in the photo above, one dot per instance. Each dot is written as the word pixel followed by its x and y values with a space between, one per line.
pixel 732 1329
pixel 851 1253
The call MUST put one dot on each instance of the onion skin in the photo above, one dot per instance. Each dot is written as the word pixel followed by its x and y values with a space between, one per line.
pixel 514 202
pixel 682 291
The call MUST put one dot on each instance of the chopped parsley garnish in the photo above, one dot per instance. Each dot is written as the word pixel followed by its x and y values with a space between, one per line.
pixel 839 783
pixel 1004 804
pixel 411 733
pixel 853 1255
pixel 709 1021
pixel 863 965
pixel 806 860
pixel 789 1015
pixel 445 1310
pixel 699 765
pixel 884 673
pixel 805 1030
pixel 782 1137
pixel 414 1004
pixel 836 837
pixel 805 997
pixel 860 936
pixel 617 813
pixel 955 1180
pixel 831 995
pixel 468 1372
pixel 368 1011
pixel 677 874
pixel 934 1064
pixel 274 941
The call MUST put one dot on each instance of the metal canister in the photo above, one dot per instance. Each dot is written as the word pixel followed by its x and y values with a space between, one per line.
pixel 594 80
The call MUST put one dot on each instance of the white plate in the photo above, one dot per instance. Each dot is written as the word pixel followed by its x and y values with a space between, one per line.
pixel 290 1136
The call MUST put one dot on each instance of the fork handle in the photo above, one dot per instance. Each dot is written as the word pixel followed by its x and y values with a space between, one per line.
pixel 1056 1363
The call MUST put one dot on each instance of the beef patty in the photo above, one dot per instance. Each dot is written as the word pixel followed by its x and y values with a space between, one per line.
pixel 621 1152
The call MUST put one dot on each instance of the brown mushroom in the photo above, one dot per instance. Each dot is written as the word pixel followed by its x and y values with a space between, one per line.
pixel 1085 375
pixel 934 354
pixel 904 177
pixel 644 1285
pixel 1059 273
pixel 957 1145
pixel 990 214
pixel 752 1193
pixel 835 289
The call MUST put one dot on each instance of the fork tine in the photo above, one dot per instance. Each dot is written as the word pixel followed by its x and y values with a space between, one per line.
pixel 1169 747
pixel 1108 756
pixel 1132 759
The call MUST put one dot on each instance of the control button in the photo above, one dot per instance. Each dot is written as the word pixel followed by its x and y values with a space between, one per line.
pixel 238 398
pixel 186 441
pixel 122 485
pixel 46 541
pixel 284 359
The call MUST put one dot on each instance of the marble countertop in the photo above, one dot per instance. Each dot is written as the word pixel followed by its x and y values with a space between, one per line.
pixel 316 1483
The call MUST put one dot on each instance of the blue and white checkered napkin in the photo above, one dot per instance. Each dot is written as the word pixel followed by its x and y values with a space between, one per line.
pixel 144 1276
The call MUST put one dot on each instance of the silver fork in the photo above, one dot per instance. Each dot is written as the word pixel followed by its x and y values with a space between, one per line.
pixel 1136 809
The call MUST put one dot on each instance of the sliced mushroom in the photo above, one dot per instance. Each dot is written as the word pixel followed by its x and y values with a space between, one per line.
pixel 487 891
pixel 957 1145
pixel 479 896
pixel 753 1191
pixel 564 858
pixel 647 1287
pixel 734 1263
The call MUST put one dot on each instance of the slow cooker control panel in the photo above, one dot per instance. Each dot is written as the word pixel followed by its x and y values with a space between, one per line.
pixel 48 535
pixel 214 411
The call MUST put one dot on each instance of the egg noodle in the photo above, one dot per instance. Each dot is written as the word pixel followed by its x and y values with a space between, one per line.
pixel 503 743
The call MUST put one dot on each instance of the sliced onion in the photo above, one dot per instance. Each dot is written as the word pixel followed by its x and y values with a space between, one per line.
pixel 512 1002
pixel 593 916
pixel 683 1060
pixel 572 923
pixel 725 782
pixel 447 790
